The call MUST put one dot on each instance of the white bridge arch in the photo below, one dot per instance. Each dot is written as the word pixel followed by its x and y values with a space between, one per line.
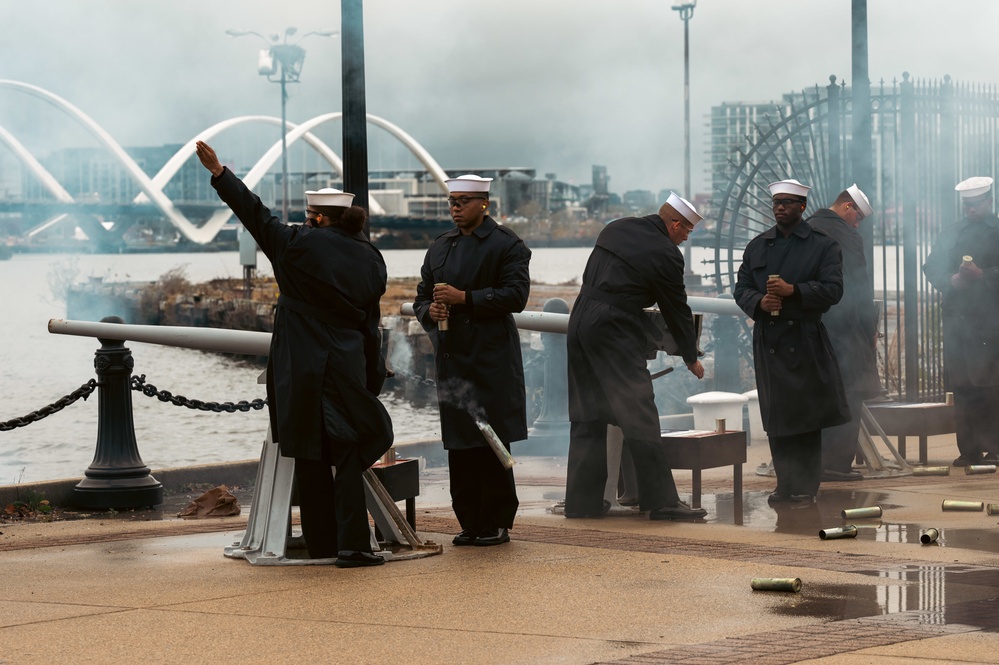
pixel 152 188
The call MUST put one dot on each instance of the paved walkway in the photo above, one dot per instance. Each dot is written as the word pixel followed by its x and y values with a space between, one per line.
pixel 116 589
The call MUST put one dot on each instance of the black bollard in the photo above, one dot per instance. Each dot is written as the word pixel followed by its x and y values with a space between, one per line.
pixel 117 478
pixel 549 434
pixel 726 343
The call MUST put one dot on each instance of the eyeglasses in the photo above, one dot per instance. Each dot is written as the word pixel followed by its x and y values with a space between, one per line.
pixel 463 201
pixel 786 203
pixel 312 214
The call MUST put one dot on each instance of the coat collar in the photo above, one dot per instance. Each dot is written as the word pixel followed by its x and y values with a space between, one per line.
pixel 658 223
pixel 481 231
pixel 802 230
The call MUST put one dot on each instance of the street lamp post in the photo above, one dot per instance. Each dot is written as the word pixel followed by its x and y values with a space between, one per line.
pixel 686 10
pixel 285 60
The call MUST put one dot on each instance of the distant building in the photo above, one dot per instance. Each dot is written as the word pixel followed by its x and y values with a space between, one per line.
pixel 640 201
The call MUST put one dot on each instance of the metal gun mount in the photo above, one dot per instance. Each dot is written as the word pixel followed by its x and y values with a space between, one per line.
pixel 658 337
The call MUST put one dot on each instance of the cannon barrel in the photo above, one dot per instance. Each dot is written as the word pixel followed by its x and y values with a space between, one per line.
pixel 550 322
pixel 244 342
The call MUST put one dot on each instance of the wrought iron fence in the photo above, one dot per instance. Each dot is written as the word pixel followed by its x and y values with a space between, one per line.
pixel 927 136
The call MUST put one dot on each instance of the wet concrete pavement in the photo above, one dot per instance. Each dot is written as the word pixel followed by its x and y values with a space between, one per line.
pixel 618 589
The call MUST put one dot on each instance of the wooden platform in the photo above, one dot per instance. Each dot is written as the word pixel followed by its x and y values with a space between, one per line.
pixel 699 449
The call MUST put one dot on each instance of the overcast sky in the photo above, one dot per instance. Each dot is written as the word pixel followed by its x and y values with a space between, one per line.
pixel 558 85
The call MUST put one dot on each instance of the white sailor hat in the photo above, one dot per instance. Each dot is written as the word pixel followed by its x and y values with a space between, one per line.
pixel 329 197
pixel 792 187
pixel 860 199
pixel 684 207
pixel 974 187
pixel 468 183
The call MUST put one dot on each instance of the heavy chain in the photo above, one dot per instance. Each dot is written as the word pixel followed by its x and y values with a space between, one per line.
pixel 83 392
pixel 139 384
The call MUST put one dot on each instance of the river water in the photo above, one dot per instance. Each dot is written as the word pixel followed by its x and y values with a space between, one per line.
pixel 38 367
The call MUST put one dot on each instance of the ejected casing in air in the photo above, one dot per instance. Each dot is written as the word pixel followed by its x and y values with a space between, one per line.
pixel 855 513
pixel 931 470
pixel 969 506
pixel 992 509
pixel 848 531
pixel 776 584
pixel 973 469
pixel 929 536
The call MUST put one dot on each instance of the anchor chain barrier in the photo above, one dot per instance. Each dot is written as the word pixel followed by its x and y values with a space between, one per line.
pixel 139 385
pixel 83 392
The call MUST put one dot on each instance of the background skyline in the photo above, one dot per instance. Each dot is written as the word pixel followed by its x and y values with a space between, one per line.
pixel 557 86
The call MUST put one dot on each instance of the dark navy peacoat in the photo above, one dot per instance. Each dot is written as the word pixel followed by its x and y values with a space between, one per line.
pixel 797 375
pixel 480 370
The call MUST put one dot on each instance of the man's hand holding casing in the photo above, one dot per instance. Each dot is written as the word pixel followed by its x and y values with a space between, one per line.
pixel 445 294
pixel 969 272
pixel 771 303
pixel 208 158
pixel 438 312
pixel 778 287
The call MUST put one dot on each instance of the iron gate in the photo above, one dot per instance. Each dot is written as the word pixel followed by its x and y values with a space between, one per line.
pixel 927 136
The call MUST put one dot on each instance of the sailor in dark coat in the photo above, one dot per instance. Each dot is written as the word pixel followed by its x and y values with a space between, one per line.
pixel 790 275
pixel 635 264
pixel 964 267
pixel 473 279
pixel 852 326
pixel 323 369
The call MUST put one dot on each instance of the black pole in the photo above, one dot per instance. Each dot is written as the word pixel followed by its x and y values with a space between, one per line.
pixel 117 478
pixel 284 148
pixel 355 129
pixel 862 154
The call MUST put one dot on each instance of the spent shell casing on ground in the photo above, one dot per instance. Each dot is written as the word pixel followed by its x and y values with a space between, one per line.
pixel 931 470
pixel 970 506
pixel 776 584
pixel 972 469
pixel 929 536
pixel 855 513
pixel 848 531
pixel 992 509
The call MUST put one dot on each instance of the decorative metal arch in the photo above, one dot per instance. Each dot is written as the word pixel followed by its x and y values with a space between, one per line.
pixel 152 188
pixel 795 144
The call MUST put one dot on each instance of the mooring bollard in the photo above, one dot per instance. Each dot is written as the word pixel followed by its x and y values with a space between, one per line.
pixel 117 478
pixel 549 433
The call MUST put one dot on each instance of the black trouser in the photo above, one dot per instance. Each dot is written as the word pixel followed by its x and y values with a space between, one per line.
pixel 587 471
pixel 797 460
pixel 839 443
pixel 976 418
pixel 334 514
pixel 483 491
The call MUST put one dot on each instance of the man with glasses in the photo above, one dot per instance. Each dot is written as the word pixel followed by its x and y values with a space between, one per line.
pixel 964 267
pixel 852 326
pixel 790 275
pixel 473 279
pixel 635 264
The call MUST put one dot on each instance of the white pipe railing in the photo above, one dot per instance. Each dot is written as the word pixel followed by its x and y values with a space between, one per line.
pixel 251 343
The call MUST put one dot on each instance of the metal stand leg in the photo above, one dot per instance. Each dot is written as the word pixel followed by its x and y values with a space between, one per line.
pixel 265 541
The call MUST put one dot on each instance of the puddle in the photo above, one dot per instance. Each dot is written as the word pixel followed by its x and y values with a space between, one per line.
pixel 939 594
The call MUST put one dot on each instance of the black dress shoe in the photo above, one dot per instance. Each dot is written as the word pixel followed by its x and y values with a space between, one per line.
pixel 489 537
pixel 356 559
pixel 990 458
pixel 603 511
pixel 967 460
pixel 466 537
pixel 778 497
pixel 681 511
pixel 828 475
